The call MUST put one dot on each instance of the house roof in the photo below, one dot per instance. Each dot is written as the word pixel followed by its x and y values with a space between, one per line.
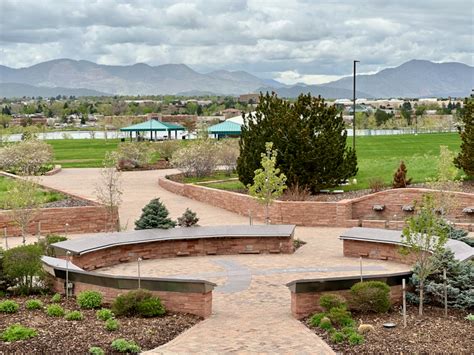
pixel 226 127
pixel 153 125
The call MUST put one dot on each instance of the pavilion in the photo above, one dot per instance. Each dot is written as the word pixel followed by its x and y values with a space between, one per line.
pixel 153 126
pixel 225 129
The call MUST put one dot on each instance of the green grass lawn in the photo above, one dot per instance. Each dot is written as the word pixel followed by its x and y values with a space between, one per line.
pixel 378 156
pixel 6 184
pixel 81 153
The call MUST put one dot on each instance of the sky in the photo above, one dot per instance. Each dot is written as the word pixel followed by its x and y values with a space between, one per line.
pixel 290 41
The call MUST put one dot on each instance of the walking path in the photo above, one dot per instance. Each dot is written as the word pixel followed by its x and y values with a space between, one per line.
pixel 251 305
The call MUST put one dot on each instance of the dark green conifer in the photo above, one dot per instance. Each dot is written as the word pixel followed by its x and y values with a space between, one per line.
pixel 154 215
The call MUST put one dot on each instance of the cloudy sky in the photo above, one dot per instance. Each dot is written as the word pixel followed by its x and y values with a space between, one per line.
pixel 288 40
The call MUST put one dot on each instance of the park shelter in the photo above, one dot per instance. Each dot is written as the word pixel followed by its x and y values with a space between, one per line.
pixel 153 127
pixel 225 129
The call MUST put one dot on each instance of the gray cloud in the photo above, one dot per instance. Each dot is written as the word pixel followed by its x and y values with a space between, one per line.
pixel 292 40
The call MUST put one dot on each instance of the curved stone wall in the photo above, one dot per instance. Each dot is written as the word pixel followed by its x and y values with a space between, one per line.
pixel 344 213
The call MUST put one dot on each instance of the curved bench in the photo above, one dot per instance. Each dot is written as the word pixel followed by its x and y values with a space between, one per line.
pixel 179 295
pixel 107 249
pixel 383 244
pixel 190 296
pixel 305 293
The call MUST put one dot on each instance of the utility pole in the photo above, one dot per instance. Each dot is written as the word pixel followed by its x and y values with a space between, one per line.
pixel 354 108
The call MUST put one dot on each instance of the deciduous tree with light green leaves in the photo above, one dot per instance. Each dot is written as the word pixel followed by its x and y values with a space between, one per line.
pixel 425 238
pixel 268 182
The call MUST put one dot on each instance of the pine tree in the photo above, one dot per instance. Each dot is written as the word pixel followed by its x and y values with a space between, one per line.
pixel 154 215
pixel 400 177
pixel 465 159
pixel 308 135
pixel 188 219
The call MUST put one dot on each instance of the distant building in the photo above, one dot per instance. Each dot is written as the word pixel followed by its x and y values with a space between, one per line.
pixel 249 98
pixel 29 120
pixel 230 112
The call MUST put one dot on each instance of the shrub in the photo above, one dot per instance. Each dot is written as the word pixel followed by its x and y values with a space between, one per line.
pixel 134 154
pixel 227 154
pixel 154 215
pixel 460 278
pixel 198 159
pixel 25 158
pixel 296 193
pixel 33 304
pixel 8 306
pixel 188 219
pixel 125 346
pixel 400 177
pixel 112 324
pixel 348 331
pixel 96 350
pixel 104 314
pixel 337 337
pixel 458 234
pixel 340 316
pixel 74 315
pixel 130 304
pixel 23 265
pixel 17 332
pixel 470 317
pixel 151 307
pixel 5 280
pixel 45 244
pixel 465 158
pixel 167 148
pixel 370 296
pixel 329 300
pixel 55 310
pixel 316 319
pixel 376 184
pixel 56 298
pixel 89 299
pixel 325 323
pixel 355 339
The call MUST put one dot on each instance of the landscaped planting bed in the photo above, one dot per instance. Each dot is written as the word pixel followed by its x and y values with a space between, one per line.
pixel 58 335
pixel 429 334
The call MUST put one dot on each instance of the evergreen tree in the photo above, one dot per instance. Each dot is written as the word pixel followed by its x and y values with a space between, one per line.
pixel 309 137
pixel 154 215
pixel 400 177
pixel 188 219
pixel 465 159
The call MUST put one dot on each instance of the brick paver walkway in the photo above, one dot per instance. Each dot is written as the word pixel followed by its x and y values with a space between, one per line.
pixel 251 306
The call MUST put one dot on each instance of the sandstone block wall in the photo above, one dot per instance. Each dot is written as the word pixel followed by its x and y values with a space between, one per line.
pixel 344 213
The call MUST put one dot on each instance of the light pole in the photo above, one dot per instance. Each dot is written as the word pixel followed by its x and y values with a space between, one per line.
pixel 68 253
pixel 354 108
pixel 139 276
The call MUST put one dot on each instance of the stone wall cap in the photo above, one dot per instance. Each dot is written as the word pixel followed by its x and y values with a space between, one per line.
pixel 461 250
pixel 307 285
pixel 93 242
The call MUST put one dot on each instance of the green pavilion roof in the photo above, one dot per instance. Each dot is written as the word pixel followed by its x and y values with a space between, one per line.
pixel 225 128
pixel 153 125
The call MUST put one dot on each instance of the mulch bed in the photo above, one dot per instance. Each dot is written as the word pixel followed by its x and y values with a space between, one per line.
pixel 57 335
pixel 68 202
pixel 430 334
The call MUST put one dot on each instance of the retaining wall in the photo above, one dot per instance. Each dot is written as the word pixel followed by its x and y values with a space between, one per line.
pixel 92 218
pixel 344 213
pixel 305 294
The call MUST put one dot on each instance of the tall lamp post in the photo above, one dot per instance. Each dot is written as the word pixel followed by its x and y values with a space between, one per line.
pixel 354 108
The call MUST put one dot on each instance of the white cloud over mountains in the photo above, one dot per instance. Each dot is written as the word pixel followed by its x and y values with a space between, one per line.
pixel 293 41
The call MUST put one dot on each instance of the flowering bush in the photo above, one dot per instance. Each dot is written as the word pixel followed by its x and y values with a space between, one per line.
pixel 199 159
pixel 26 157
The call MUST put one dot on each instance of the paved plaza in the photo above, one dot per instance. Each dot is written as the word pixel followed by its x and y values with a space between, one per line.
pixel 251 305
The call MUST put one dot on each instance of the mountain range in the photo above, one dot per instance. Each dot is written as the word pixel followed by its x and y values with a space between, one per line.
pixel 416 78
